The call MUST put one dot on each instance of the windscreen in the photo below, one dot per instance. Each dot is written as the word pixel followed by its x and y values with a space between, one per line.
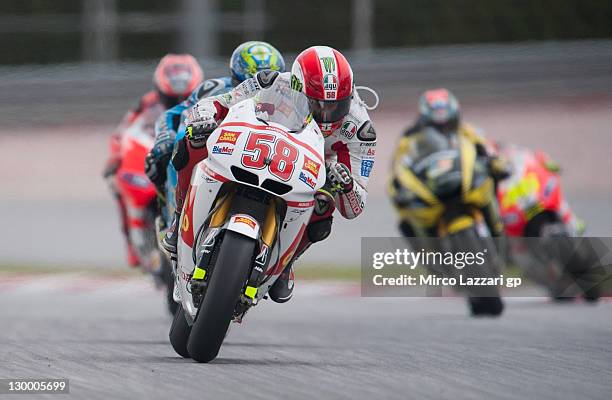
pixel 282 105
pixel 427 145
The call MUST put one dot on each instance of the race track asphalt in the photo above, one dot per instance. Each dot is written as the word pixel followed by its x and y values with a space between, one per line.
pixel 111 341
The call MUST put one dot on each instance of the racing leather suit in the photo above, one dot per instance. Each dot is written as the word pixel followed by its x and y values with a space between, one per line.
pixel 150 106
pixel 146 102
pixel 498 167
pixel 351 141
pixel 168 125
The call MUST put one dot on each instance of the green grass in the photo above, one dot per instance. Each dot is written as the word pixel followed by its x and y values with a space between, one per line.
pixel 303 272
pixel 328 272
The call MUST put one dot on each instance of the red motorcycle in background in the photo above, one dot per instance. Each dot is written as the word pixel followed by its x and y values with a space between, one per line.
pixel 140 198
pixel 532 206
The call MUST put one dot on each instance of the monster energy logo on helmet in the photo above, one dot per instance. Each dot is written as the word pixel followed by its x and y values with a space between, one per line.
pixel 329 64
pixel 295 83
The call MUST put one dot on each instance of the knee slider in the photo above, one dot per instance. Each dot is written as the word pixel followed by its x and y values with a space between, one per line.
pixel 319 230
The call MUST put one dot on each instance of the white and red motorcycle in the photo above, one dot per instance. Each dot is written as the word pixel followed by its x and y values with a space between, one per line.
pixel 245 212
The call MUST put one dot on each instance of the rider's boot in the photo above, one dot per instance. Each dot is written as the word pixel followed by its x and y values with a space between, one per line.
pixel 282 290
pixel 170 240
pixel 318 229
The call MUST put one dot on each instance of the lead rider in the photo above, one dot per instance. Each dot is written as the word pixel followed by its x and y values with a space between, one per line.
pixel 324 75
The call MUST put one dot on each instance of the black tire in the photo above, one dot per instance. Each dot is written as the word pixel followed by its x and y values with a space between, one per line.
pixel 168 278
pixel 484 301
pixel 215 313
pixel 179 333
pixel 486 306
pixel 577 259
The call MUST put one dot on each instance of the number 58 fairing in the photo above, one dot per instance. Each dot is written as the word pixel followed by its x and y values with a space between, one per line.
pixel 245 212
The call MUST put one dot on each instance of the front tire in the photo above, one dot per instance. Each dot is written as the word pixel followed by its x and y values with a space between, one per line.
pixel 217 309
pixel 485 301
pixel 486 306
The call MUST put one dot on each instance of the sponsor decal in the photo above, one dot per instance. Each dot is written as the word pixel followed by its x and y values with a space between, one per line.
pixel 227 150
pixel 330 82
pixel 348 129
pixel 242 219
pixel 307 180
pixel 366 167
pixel 262 257
pixel 329 64
pixel 295 214
pixel 370 154
pixel 354 202
pixel 228 137
pixel 209 242
pixel 311 166
pixel 367 144
pixel 366 133
pixel 296 84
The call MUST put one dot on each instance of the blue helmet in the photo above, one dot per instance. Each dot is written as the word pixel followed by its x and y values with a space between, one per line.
pixel 251 57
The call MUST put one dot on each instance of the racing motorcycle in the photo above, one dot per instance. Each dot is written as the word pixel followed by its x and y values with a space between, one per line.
pixel 140 197
pixel 246 209
pixel 443 188
pixel 533 207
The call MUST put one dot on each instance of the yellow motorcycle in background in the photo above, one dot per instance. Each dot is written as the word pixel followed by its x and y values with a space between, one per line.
pixel 444 191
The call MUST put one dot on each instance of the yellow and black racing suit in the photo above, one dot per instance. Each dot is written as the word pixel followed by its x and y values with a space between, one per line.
pixel 498 168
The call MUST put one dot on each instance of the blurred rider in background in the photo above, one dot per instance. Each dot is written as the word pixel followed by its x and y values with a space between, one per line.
pixel 325 76
pixel 246 60
pixel 439 109
pixel 175 77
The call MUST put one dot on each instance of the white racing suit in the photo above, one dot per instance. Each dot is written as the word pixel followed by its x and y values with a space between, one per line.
pixel 350 141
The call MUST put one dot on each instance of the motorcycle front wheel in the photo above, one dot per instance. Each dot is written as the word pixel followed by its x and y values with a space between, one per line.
pixel 483 301
pixel 224 288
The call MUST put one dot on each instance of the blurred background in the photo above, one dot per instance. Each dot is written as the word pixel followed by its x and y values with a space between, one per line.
pixel 537 73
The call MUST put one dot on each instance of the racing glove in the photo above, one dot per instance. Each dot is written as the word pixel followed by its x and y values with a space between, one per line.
pixel 499 168
pixel 200 123
pixel 156 162
pixel 339 177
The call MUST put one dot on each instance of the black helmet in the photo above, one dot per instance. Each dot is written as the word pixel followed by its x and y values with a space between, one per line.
pixel 439 108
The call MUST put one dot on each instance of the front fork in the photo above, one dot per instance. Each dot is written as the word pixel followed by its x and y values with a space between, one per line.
pixel 206 250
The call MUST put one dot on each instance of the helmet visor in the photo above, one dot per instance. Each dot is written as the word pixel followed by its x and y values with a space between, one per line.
pixel 329 111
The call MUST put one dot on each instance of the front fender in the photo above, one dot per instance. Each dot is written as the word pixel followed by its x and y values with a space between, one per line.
pixel 245 225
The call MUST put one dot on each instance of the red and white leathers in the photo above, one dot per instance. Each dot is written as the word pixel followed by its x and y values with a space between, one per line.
pixel 350 141
pixel 148 101
pixel 149 107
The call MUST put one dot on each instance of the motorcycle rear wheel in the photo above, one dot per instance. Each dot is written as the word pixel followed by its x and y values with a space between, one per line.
pixel 224 288
pixel 167 277
pixel 179 333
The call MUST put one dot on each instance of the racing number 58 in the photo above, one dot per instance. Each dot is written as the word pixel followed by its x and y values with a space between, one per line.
pixel 261 145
